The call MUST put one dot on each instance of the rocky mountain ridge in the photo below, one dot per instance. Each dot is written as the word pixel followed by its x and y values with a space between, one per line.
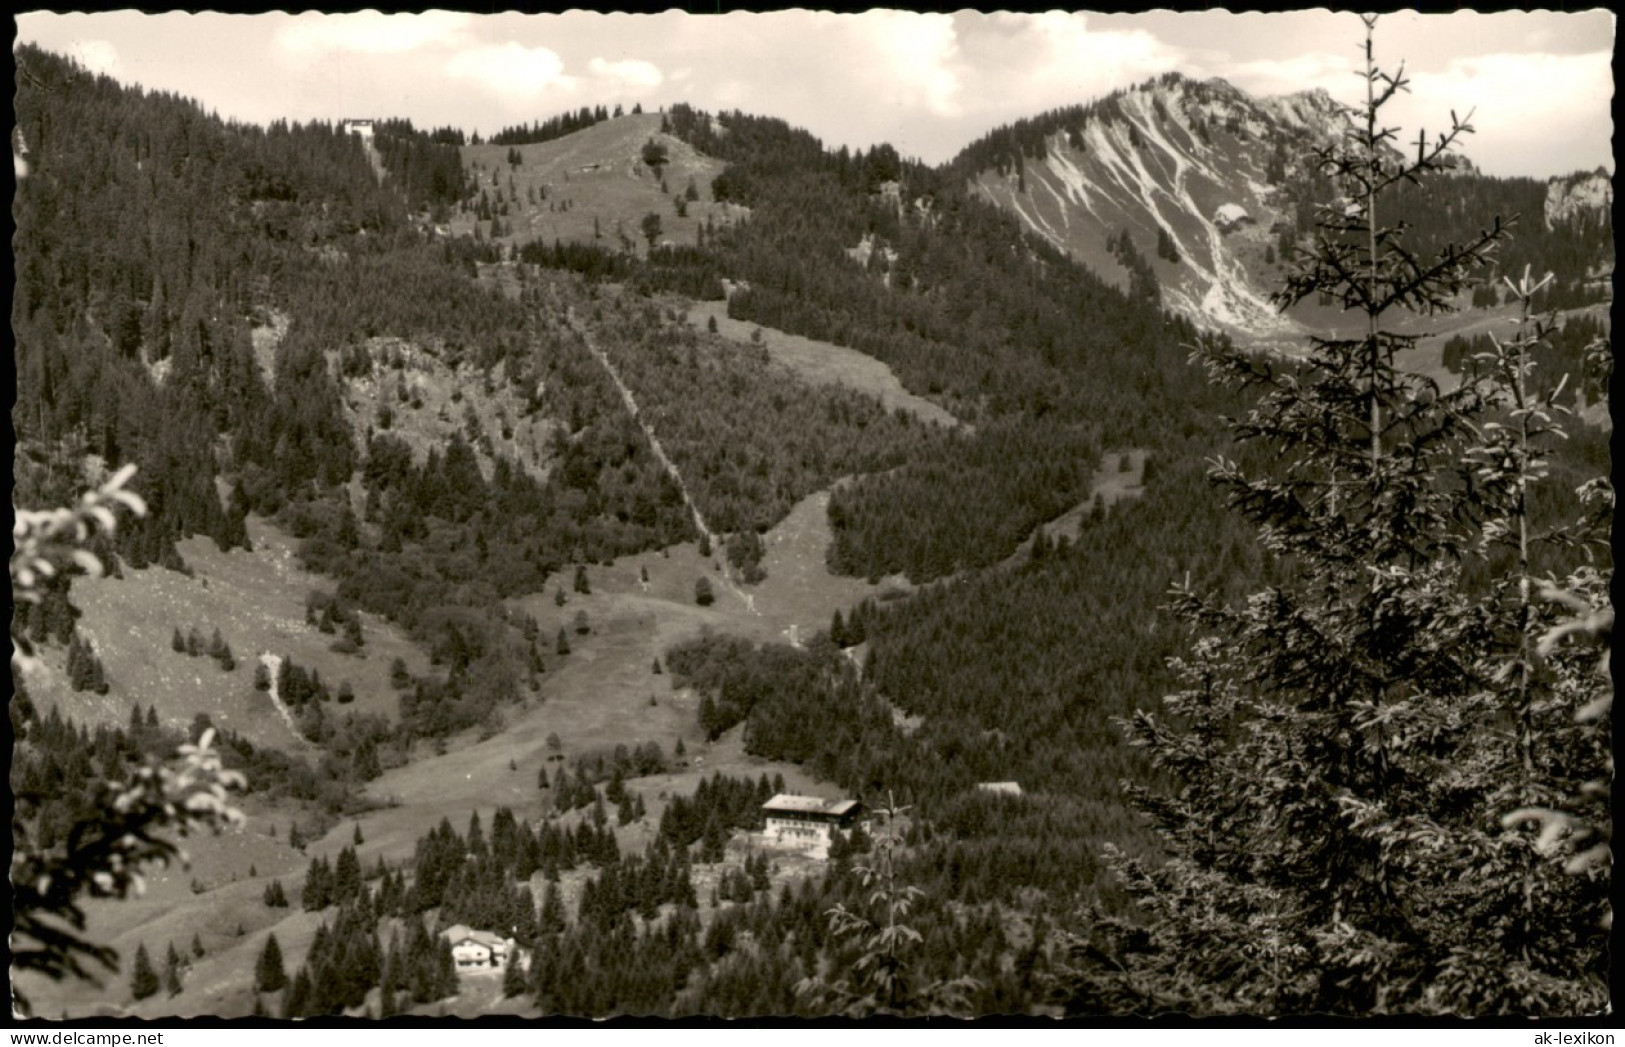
pixel 1579 194
pixel 1196 184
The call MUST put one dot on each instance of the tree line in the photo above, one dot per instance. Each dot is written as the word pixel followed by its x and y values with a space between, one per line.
pixel 565 123
pixel 750 438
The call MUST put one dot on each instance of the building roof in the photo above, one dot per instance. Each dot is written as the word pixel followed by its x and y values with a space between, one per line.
pixel 790 802
pixel 808 804
pixel 1012 788
pixel 460 932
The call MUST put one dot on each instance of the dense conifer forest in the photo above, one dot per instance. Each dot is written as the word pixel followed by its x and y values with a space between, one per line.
pixel 210 301
pixel 750 439
pixel 553 127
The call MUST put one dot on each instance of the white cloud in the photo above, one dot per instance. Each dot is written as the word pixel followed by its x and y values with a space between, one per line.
pixel 1024 63
pixel 511 69
pixel 1067 50
pixel 1531 111
pixel 736 94
pixel 1524 86
pixel 917 52
pixel 98 56
pixel 627 74
pixel 371 32
pixel 927 82
pixel 1280 76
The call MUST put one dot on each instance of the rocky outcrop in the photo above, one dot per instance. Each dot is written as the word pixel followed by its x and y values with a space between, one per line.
pixel 1581 193
pixel 1229 216
pixel 1196 174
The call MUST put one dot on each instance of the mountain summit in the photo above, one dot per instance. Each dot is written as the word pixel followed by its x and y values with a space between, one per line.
pixel 1193 181
pixel 1198 191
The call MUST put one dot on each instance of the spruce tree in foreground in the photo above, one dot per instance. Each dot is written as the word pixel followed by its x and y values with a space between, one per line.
pixel 886 976
pixel 1356 750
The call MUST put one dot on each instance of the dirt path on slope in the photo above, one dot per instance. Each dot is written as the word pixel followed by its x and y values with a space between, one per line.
pixel 728 582
pixel 375 159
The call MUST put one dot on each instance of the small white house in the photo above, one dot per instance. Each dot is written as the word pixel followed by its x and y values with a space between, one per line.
pixel 478 950
pixel 358 127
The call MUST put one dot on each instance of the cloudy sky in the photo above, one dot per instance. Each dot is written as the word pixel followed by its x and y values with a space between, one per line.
pixel 1541 82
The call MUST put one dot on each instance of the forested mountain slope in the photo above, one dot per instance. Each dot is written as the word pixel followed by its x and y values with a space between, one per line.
pixel 153 240
pixel 458 409
pixel 597 185
pixel 1046 360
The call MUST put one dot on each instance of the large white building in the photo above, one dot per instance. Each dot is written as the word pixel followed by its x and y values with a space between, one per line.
pixel 808 822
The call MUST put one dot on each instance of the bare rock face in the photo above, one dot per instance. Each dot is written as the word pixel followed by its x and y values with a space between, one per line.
pixel 1230 216
pixel 1214 190
pixel 1576 195
pixel 1204 179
